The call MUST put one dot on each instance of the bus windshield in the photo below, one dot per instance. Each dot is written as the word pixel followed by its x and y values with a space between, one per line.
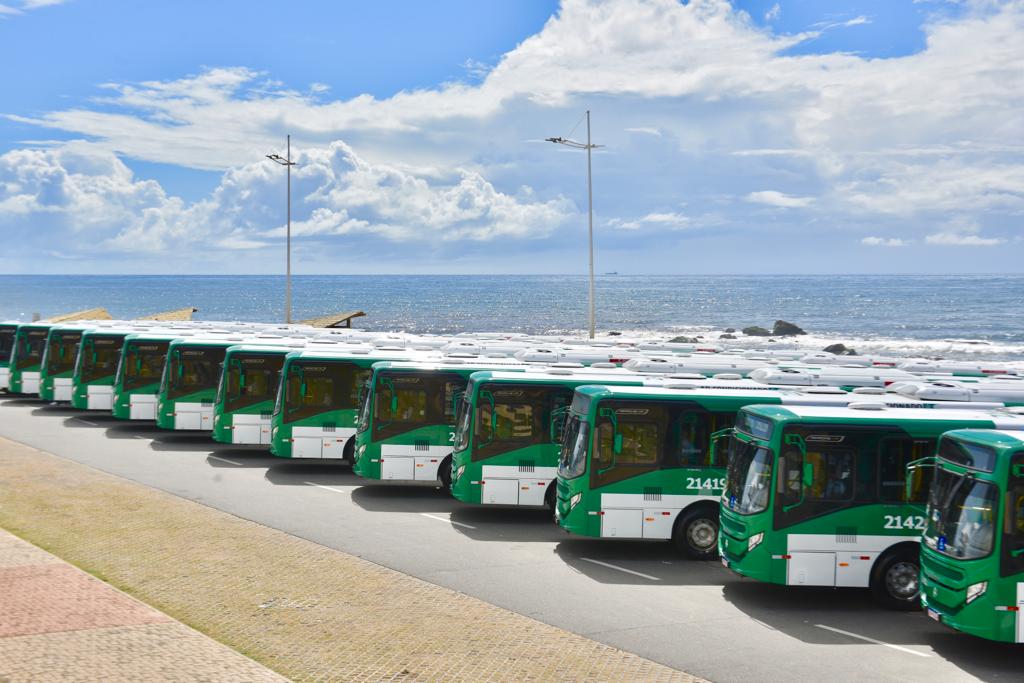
pixel 100 356
pixel 250 379
pixel 6 343
pixel 573 461
pixel 143 364
pixel 193 369
pixel 32 345
pixel 961 515
pixel 748 478
pixel 510 417
pixel 61 352
pixel 464 420
pixel 405 401
pixel 365 396
pixel 321 386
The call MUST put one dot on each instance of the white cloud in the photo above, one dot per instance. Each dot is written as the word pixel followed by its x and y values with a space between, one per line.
pixel 779 199
pixel 954 239
pixel 773 13
pixel 92 200
pixel 692 100
pixel 885 242
pixel 663 220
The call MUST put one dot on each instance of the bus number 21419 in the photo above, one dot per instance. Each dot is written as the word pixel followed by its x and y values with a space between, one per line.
pixel 705 483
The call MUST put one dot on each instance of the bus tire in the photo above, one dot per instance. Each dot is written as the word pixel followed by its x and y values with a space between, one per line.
pixel 348 453
pixel 895 580
pixel 444 474
pixel 695 533
pixel 551 499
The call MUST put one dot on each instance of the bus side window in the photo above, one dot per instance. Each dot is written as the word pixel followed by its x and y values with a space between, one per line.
pixel 790 480
pixel 833 475
pixel 894 456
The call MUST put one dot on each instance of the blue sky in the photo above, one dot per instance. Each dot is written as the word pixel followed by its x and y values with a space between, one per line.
pixel 753 136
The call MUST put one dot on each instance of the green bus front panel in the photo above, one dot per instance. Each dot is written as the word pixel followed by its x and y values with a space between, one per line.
pixel 415 455
pixel 58 367
pixel 189 412
pixel 25 366
pixel 971 596
pixel 322 436
pixel 523 476
pixel 250 425
pixel 645 506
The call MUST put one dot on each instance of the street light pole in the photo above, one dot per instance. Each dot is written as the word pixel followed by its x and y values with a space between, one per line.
pixel 288 163
pixel 589 146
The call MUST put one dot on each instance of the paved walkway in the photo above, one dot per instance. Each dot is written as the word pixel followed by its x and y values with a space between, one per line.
pixel 57 623
pixel 303 610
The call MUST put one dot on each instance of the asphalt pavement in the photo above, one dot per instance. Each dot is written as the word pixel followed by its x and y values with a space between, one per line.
pixel 641 597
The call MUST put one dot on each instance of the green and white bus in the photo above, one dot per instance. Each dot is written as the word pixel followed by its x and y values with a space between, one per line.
pixel 247 391
pixel 972 555
pixel 191 375
pixel 318 399
pixel 27 357
pixel 57 369
pixel 636 461
pixel 508 433
pixel 819 496
pixel 8 330
pixel 139 370
pixel 406 420
pixel 99 353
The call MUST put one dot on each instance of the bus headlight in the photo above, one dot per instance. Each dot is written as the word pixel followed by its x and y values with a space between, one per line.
pixel 976 590
pixel 754 541
pixel 574 501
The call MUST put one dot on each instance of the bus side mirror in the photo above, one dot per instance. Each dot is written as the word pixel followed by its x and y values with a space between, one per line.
pixel 808 474
pixel 394 404
pixel 181 370
pixel 617 443
pixel 138 364
pixel 302 388
pixel 1018 471
pixel 718 436
pixel 557 423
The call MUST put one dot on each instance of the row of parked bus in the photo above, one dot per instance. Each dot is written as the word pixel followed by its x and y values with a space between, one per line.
pixel 793 469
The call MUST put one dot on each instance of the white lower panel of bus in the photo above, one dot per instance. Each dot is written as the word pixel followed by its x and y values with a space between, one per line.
pixel 636 515
pixel 142 406
pixel 5 378
pixel 61 388
pixel 1020 610
pixel 408 462
pixel 30 382
pixel 192 416
pixel 99 397
pixel 317 442
pixel 835 560
pixel 512 485
pixel 250 429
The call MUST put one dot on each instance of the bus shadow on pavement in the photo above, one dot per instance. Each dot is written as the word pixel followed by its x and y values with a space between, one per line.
pixel 636 563
pixel 239 457
pixel 386 498
pixel 85 420
pixel 985 659
pixel 182 441
pixel 134 430
pixel 325 473
pixel 14 401
pixel 510 525
pixel 802 612
pixel 56 410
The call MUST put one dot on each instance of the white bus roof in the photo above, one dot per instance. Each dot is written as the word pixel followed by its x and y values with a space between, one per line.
pixel 1001 419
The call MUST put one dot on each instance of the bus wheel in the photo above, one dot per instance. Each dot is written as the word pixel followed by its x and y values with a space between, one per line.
pixel 551 500
pixel 895 581
pixel 444 474
pixel 696 533
pixel 348 454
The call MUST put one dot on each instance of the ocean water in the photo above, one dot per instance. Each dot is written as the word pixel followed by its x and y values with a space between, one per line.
pixel 951 316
